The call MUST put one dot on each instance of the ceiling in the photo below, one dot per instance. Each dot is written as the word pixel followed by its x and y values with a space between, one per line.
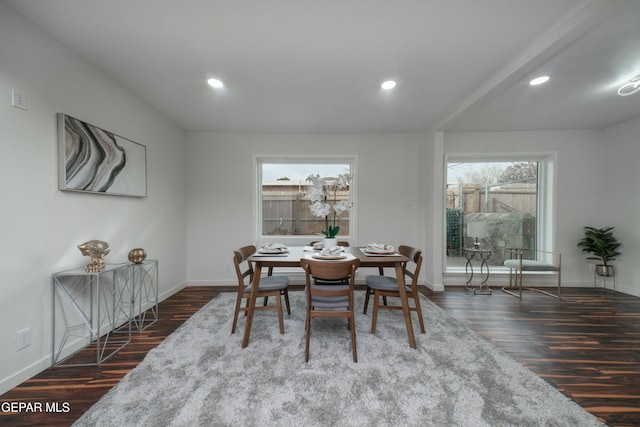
pixel 311 66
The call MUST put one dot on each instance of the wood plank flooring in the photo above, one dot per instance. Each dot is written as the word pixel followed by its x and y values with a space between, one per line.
pixel 587 346
pixel 81 387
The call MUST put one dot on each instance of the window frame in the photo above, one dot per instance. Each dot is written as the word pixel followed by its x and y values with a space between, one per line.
pixel 301 240
pixel 546 197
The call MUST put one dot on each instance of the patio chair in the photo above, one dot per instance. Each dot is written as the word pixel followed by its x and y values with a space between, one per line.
pixel 531 261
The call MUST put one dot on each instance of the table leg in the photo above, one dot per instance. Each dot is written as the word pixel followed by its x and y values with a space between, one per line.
pixel 252 303
pixel 405 304
pixel 468 269
pixel 484 272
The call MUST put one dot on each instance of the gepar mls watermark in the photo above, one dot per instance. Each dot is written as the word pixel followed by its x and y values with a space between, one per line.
pixel 17 407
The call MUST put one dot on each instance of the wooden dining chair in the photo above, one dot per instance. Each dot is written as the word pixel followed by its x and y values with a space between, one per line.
pixel 387 286
pixel 344 280
pixel 276 286
pixel 332 300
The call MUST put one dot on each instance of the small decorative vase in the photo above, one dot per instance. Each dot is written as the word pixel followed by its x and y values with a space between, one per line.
pixel 137 255
pixel 329 243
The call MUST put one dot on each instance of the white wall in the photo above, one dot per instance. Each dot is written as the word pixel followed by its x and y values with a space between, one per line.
pixel 221 199
pixel 621 201
pixel 40 226
pixel 431 201
pixel 580 181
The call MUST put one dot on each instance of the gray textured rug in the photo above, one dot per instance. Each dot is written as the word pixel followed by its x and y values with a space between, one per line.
pixel 201 376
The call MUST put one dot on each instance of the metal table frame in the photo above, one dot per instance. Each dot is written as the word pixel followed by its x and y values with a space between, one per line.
pixel 484 254
pixel 92 306
pixel 144 294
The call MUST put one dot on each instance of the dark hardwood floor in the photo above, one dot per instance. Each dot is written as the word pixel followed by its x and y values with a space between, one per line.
pixel 587 346
pixel 81 387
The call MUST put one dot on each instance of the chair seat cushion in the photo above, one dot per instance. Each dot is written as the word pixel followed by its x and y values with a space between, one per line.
pixel 383 283
pixel 530 265
pixel 341 301
pixel 270 283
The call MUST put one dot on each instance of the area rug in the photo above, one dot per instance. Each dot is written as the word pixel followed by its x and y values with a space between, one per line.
pixel 201 376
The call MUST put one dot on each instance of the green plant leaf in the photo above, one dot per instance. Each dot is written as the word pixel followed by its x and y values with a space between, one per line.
pixel 601 243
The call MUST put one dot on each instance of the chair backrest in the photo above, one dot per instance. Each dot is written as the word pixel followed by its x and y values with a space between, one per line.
pixel 330 270
pixel 414 255
pixel 239 256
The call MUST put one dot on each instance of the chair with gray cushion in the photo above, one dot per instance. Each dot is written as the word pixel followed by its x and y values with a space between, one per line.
pixel 332 300
pixel 276 286
pixel 531 261
pixel 386 286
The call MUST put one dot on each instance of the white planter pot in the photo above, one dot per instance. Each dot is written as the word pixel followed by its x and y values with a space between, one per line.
pixel 329 243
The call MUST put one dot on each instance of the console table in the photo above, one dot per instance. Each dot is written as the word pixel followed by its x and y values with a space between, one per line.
pixel 144 293
pixel 484 255
pixel 91 306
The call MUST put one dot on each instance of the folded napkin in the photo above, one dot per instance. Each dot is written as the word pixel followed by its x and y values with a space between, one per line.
pixel 336 250
pixel 379 247
pixel 274 247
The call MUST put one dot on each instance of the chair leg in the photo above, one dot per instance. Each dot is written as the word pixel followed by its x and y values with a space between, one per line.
pixel 559 287
pixel 352 323
pixel 416 299
pixel 285 292
pixel 307 328
pixel 374 319
pixel 280 315
pixel 520 282
pixel 235 315
pixel 366 300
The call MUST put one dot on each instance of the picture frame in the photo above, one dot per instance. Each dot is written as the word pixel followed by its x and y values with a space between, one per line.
pixel 93 160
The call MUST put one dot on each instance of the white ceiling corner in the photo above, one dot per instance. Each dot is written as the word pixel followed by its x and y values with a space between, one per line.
pixel 308 66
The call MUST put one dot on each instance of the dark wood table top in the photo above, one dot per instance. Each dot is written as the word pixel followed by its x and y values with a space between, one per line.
pixel 296 253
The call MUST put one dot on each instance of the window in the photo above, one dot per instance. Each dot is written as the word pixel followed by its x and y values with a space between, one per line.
pixel 508 204
pixel 284 212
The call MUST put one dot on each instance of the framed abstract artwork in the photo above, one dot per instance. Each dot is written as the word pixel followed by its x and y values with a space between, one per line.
pixel 93 160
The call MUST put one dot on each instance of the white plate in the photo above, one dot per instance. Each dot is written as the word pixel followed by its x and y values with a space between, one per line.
pixel 378 251
pixel 328 257
pixel 273 251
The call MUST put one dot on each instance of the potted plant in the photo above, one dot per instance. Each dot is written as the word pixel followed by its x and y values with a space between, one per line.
pixel 601 243
pixel 323 194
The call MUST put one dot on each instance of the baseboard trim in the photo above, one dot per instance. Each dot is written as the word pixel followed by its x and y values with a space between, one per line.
pixel 24 374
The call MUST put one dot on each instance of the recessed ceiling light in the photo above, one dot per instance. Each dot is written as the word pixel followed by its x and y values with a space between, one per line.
pixel 631 87
pixel 388 85
pixel 539 80
pixel 215 83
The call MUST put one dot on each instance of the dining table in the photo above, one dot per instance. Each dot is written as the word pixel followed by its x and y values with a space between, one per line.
pixel 292 257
